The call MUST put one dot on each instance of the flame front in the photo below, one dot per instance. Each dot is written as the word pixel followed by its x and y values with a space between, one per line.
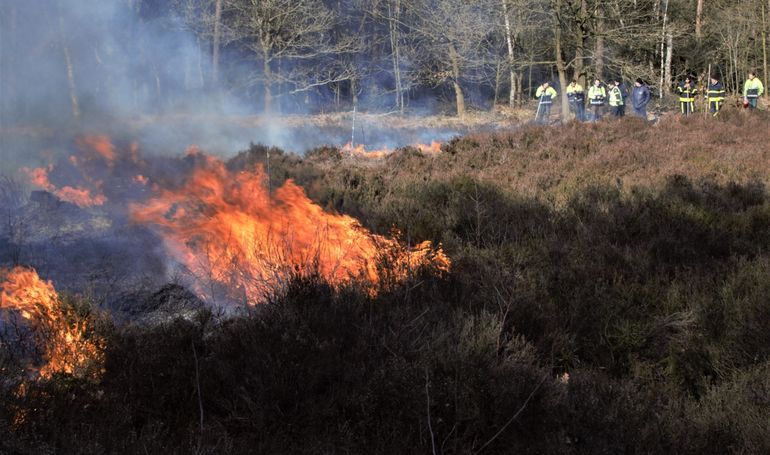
pixel 81 197
pixel 231 233
pixel 94 149
pixel 62 340
pixel 432 149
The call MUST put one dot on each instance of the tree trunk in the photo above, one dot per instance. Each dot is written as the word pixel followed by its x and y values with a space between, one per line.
pixel 580 42
pixel 599 57
pixel 764 47
pixel 669 56
pixel 599 49
pixel 699 21
pixel 395 51
pixel 217 42
pixel 73 92
pixel 509 42
pixel 664 32
pixel 267 82
pixel 561 67
pixel 199 67
pixel 497 84
pixel 459 96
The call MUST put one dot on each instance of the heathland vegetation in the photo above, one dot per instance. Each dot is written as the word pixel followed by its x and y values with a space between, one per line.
pixel 608 294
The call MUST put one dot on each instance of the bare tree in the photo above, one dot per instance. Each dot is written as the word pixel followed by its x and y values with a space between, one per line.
pixel 296 33
pixel 454 39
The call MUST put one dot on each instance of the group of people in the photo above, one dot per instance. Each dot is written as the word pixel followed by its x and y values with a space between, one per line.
pixel 715 94
pixel 615 95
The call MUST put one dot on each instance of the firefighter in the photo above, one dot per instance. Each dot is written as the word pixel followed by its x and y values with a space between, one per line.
pixel 545 94
pixel 640 97
pixel 577 98
pixel 616 100
pixel 715 96
pixel 687 91
pixel 596 96
pixel 752 90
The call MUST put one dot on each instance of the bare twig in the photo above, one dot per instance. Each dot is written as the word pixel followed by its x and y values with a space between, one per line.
pixel 198 385
pixel 427 399
pixel 510 421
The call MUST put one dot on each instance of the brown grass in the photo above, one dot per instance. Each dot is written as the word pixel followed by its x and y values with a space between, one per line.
pixel 551 163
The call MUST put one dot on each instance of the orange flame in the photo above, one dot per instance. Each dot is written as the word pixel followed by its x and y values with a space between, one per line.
pixel 64 344
pixel 101 151
pixel 360 150
pixel 100 144
pixel 434 148
pixel 228 230
pixel 81 197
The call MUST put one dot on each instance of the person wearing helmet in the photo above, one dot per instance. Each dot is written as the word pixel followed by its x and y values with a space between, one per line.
pixel 687 91
pixel 715 96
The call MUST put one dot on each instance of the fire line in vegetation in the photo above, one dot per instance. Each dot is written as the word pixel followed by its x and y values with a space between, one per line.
pixel 236 240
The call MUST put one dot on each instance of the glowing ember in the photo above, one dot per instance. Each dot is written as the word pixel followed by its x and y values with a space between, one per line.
pixel 61 338
pixel 231 234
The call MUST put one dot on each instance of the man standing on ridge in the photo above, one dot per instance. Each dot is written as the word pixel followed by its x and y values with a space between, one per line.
pixel 752 90
pixel 715 96
pixel 640 97
pixel 687 91
pixel 577 97
pixel 616 100
pixel 596 96
pixel 545 94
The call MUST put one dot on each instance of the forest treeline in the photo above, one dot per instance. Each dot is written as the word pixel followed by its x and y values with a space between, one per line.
pixel 313 55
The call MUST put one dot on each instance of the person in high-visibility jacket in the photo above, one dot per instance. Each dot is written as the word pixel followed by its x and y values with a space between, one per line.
pixel 577 98
pixel 616 100
pixel 545 94
pixel 752 90
pixel 596 96
pixel 715 96
pixel 687 91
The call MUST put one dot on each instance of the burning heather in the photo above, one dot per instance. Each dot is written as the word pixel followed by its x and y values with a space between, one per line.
pixel 360 150
pixel 58 335
pixel 237 238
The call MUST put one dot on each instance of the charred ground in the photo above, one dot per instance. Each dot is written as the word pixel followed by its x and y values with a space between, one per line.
pixel 608 295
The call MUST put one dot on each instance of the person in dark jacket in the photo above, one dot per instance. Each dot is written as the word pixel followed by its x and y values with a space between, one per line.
pixel 715 95
pixel 640 97
pixel 687 91
pixel 624 92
